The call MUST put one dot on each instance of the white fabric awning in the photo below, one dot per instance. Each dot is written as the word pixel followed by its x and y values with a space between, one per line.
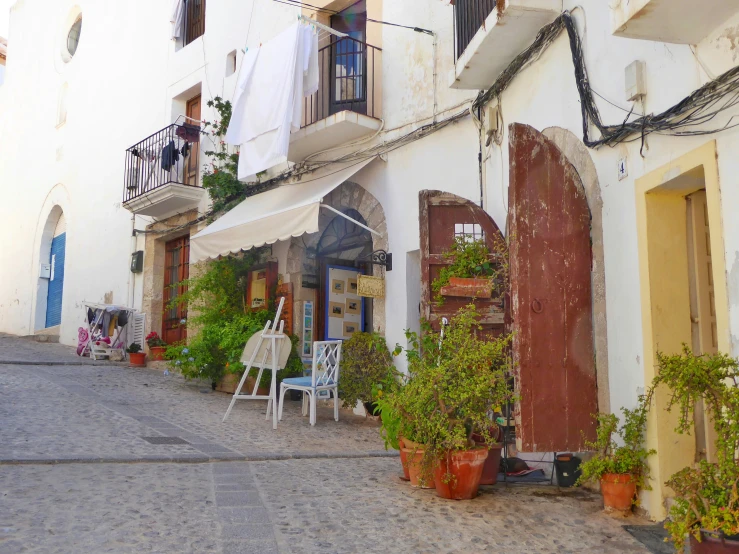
pixel 278 214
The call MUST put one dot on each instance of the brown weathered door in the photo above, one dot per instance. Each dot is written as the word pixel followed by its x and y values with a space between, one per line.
pixel 176 271
pixel 443 216
pixel 191 163
pixel 551 296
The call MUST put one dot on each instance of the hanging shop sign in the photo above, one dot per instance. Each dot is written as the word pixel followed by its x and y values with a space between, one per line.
pixel 369 286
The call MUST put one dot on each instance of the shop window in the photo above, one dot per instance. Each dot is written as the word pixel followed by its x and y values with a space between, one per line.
pixel 261 287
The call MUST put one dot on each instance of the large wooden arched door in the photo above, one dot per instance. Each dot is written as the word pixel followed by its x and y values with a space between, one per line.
pixel 551 292
pixel 443 216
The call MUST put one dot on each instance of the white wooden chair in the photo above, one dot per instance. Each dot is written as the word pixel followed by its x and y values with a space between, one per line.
pixel 324 377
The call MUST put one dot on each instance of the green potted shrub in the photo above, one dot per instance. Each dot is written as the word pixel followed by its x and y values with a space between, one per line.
pixel 365 362
pixel 706 508
pixel 136 356
pixel 471 273
pixel 456 380
pixel 157 347
pixel 619 466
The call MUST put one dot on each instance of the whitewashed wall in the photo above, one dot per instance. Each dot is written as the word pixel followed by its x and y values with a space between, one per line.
pixel 544 95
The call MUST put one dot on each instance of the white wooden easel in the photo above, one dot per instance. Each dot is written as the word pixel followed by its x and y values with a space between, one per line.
pixel 271 358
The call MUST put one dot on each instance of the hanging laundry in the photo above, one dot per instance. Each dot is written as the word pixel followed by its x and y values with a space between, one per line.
pixel 170 156
pixel 178 16
pixel 185 149
pixel 269 98
pixel 188 132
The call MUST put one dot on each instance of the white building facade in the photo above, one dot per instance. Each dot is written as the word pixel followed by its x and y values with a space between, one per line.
pixel 78 123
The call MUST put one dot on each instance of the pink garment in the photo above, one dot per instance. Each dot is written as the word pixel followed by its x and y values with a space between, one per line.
pixel 83 337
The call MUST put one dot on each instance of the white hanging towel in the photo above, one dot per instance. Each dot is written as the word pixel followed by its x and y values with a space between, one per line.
pixel 268 102
pixel 178 13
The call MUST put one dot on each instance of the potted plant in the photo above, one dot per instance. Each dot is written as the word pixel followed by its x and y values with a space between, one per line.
pixel 136 356
pixel 365 362
pixel 706 507
pixel 619 466
pixel 454 386
pixel 157 347
pixel 471 273
pixel 390 421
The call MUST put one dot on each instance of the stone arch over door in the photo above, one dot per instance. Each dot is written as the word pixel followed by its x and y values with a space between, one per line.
pixel 348 196
pixel 56 205
pixel 577 154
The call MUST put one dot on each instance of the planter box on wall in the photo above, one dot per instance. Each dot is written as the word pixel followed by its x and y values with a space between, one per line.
pixel 468 287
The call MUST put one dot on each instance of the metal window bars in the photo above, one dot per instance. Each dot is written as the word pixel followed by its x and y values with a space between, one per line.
pixel 348 80
pixel 194 20
pixel 469 17
pixel 170 155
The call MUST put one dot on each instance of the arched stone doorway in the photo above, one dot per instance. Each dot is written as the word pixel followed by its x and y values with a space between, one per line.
pixel 52 256
pixel 339 242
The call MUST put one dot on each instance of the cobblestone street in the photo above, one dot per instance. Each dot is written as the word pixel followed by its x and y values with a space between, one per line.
pixel 78 476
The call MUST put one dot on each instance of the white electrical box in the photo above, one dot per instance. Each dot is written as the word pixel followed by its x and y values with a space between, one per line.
pixel 45 271
pixel 636 81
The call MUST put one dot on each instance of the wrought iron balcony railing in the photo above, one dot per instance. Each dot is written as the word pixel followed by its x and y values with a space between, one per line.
pixel 349 72
pixel 168 156
pixel 469 16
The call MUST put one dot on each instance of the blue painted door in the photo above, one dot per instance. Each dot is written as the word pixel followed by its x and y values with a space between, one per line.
pixel 56 282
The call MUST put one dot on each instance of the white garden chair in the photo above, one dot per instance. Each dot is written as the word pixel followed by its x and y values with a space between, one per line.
pixel 324 377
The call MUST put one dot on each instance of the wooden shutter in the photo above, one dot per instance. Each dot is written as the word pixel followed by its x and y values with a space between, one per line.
pixel 550 255
pixel 440 215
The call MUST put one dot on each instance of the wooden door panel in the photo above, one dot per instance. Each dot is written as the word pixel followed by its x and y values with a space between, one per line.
pixel 176 273
pixel 191 164
pixel 443 215
pixel 551 297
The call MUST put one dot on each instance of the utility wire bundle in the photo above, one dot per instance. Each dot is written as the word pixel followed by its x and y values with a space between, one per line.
pixel 702 106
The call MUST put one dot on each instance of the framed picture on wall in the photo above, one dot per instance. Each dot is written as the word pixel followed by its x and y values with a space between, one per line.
pixel 350 328
pixel 336 309
pixel 353 306
pixel 337 286
pixel 351 285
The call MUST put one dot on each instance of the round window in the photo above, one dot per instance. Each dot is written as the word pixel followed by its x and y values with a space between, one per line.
pixel 73 38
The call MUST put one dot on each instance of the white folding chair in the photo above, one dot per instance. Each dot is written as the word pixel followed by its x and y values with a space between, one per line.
pixel 324 377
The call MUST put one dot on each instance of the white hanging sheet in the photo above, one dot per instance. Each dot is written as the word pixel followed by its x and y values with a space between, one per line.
pixel 268 104
pixel 178 14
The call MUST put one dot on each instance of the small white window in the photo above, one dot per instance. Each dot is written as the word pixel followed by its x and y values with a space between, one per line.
pixel 73 37
pixel 231 63
pixel 470 231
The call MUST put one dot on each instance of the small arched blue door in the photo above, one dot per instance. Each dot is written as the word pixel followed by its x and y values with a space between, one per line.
pixel 56 282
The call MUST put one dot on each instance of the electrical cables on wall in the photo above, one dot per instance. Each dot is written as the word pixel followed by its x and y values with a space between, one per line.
pixel 702 106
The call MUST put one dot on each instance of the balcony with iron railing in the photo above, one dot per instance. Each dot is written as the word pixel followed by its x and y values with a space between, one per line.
pixel 347 105
pixel 489 34
pixel 162 172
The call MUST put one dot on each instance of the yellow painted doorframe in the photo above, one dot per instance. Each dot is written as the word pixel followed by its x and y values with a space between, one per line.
pixel 665 294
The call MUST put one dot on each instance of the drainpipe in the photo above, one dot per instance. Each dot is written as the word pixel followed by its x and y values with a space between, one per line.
pixel 129 284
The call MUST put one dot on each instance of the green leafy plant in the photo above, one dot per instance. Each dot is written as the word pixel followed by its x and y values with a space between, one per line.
pixel 471 259
pixel 365 362
pixel 218 325
pixel 707 496
pixel 390 419
pixel 455 382
pixel 134 348
pixel 624 457
pixel 220 175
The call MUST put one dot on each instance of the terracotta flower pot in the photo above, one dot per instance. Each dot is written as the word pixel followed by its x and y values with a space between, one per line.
pixel 137 359
pixel 404 460
pixel 468 287
pixel 157 353
pixel 618 491
pixel 492 465
pixel 713 545
pixel 416 472
pixel 465 468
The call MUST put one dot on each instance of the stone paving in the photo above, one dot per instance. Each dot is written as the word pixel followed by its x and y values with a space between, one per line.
pixel 77 476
